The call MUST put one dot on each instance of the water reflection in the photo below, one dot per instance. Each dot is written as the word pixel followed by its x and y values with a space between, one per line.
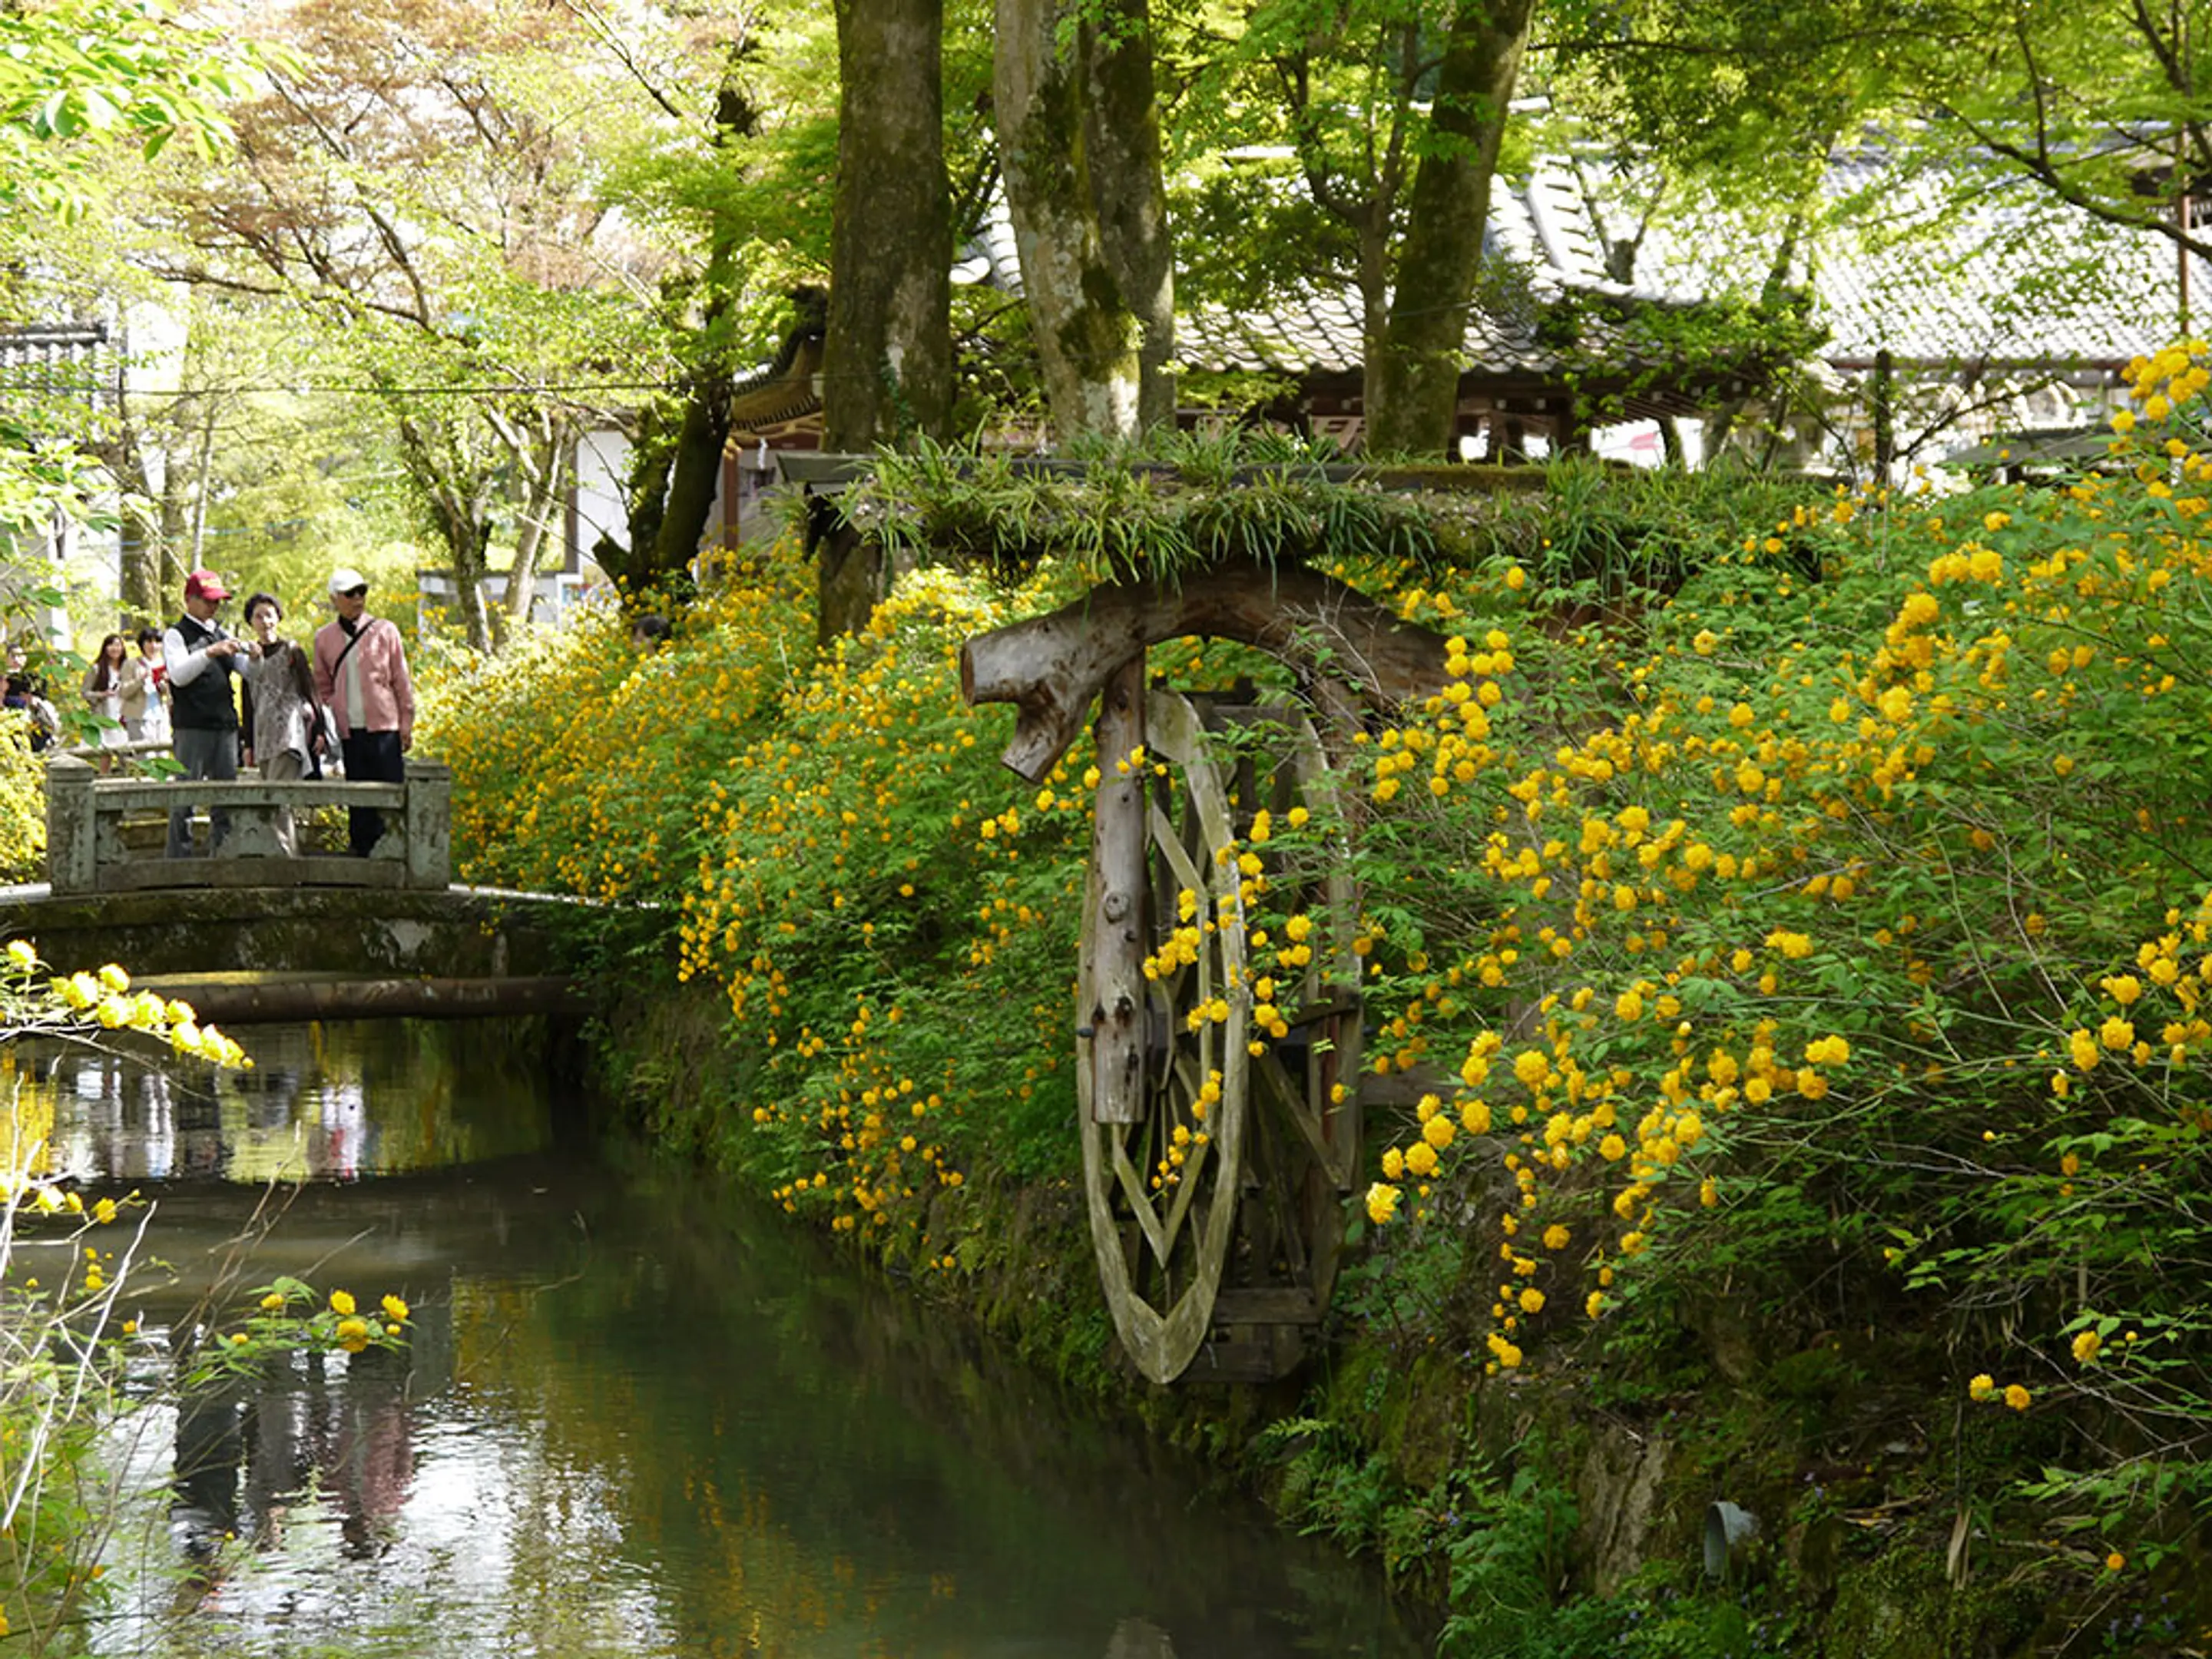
pixel 323 1101
pixel 314 1429
pixel 636 1419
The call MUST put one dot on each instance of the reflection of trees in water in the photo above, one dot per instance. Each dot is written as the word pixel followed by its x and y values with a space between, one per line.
pixel 827 1463
pixel 250 1450
pixel 323 1101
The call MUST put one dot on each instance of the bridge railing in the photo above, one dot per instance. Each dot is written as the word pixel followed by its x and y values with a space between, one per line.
pixel 87 850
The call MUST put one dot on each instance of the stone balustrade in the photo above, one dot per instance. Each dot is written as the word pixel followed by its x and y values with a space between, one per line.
pixel 87 850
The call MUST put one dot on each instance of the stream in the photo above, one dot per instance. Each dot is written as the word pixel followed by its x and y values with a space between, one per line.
pixel 636 1416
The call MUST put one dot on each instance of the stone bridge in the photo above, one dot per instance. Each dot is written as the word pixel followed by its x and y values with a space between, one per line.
pixel 251 933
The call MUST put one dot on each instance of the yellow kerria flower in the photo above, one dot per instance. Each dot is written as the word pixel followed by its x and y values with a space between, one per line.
pixel 1981 1386
pixel 2016 1397
pixel 1381 1203
pixel 342 1302
pixel 353 1334
pixel 2086 1345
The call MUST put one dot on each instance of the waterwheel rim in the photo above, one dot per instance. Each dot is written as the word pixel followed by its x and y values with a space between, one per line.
pixel 1161 1224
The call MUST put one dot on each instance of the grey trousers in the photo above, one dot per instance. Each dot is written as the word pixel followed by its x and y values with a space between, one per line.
pixel 202 754
pixel 282 767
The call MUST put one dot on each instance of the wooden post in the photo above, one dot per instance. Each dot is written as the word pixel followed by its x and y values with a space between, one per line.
pixel 72 839
pixel 427 820
pixel 1120 837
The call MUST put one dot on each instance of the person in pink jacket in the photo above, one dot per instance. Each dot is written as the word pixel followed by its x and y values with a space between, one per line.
pixel 360 674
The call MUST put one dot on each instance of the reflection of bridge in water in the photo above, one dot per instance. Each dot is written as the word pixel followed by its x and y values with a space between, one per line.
pixel 248 932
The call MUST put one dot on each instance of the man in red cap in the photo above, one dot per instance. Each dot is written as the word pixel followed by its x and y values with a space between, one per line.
pixel 200 658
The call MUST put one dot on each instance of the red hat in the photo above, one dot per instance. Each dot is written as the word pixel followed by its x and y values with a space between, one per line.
pixel 205 585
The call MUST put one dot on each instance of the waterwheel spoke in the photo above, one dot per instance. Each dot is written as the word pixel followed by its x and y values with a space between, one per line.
pixel 1167 838
pixel 1132 1182
pixel 1289 1099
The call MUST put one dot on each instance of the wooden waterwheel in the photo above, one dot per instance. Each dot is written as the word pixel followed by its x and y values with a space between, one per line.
pixel 1220 1150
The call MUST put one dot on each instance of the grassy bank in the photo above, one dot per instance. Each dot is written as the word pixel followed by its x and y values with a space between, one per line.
pixel 1803 958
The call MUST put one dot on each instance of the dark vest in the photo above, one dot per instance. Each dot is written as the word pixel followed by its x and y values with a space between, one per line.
pixel 205 704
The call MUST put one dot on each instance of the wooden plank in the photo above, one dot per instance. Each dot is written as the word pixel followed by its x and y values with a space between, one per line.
pixel 309 870
pixel 1406 1088
pixel 1051 666
pixel 1117 934
pixel 1289 1304
pixel 1261 1360
pixel 1344 1003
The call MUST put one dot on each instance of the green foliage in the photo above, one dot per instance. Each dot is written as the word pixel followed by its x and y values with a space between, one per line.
pixel 75 72
pixel 290 1316
pixel 1509 1561
pixel 1188 501
pixel 890 916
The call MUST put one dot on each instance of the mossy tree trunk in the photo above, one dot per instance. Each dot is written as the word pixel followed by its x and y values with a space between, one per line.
pixel 887 354
pixel 1121 137
pixel 1411 391
pixel 1091 337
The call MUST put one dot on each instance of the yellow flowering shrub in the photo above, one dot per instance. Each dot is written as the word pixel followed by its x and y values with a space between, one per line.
pixel 889 913
pixel 23 802
pixel 1843 921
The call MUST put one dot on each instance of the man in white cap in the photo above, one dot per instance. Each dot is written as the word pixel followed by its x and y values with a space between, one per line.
pixel 199 658
pixel 360 674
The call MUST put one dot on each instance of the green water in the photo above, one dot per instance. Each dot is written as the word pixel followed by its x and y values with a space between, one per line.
pixel 636 1418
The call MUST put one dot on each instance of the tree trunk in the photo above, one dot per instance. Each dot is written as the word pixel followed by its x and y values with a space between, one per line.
pixel 1412 387
pixel 694 472
pixel 457 496
pixel 692 479
pixel 546 496
pixel 887 361
pixel 1122 137
pixel 141 595
pixel 1088 339
pixel 469 563
pixel 645 494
